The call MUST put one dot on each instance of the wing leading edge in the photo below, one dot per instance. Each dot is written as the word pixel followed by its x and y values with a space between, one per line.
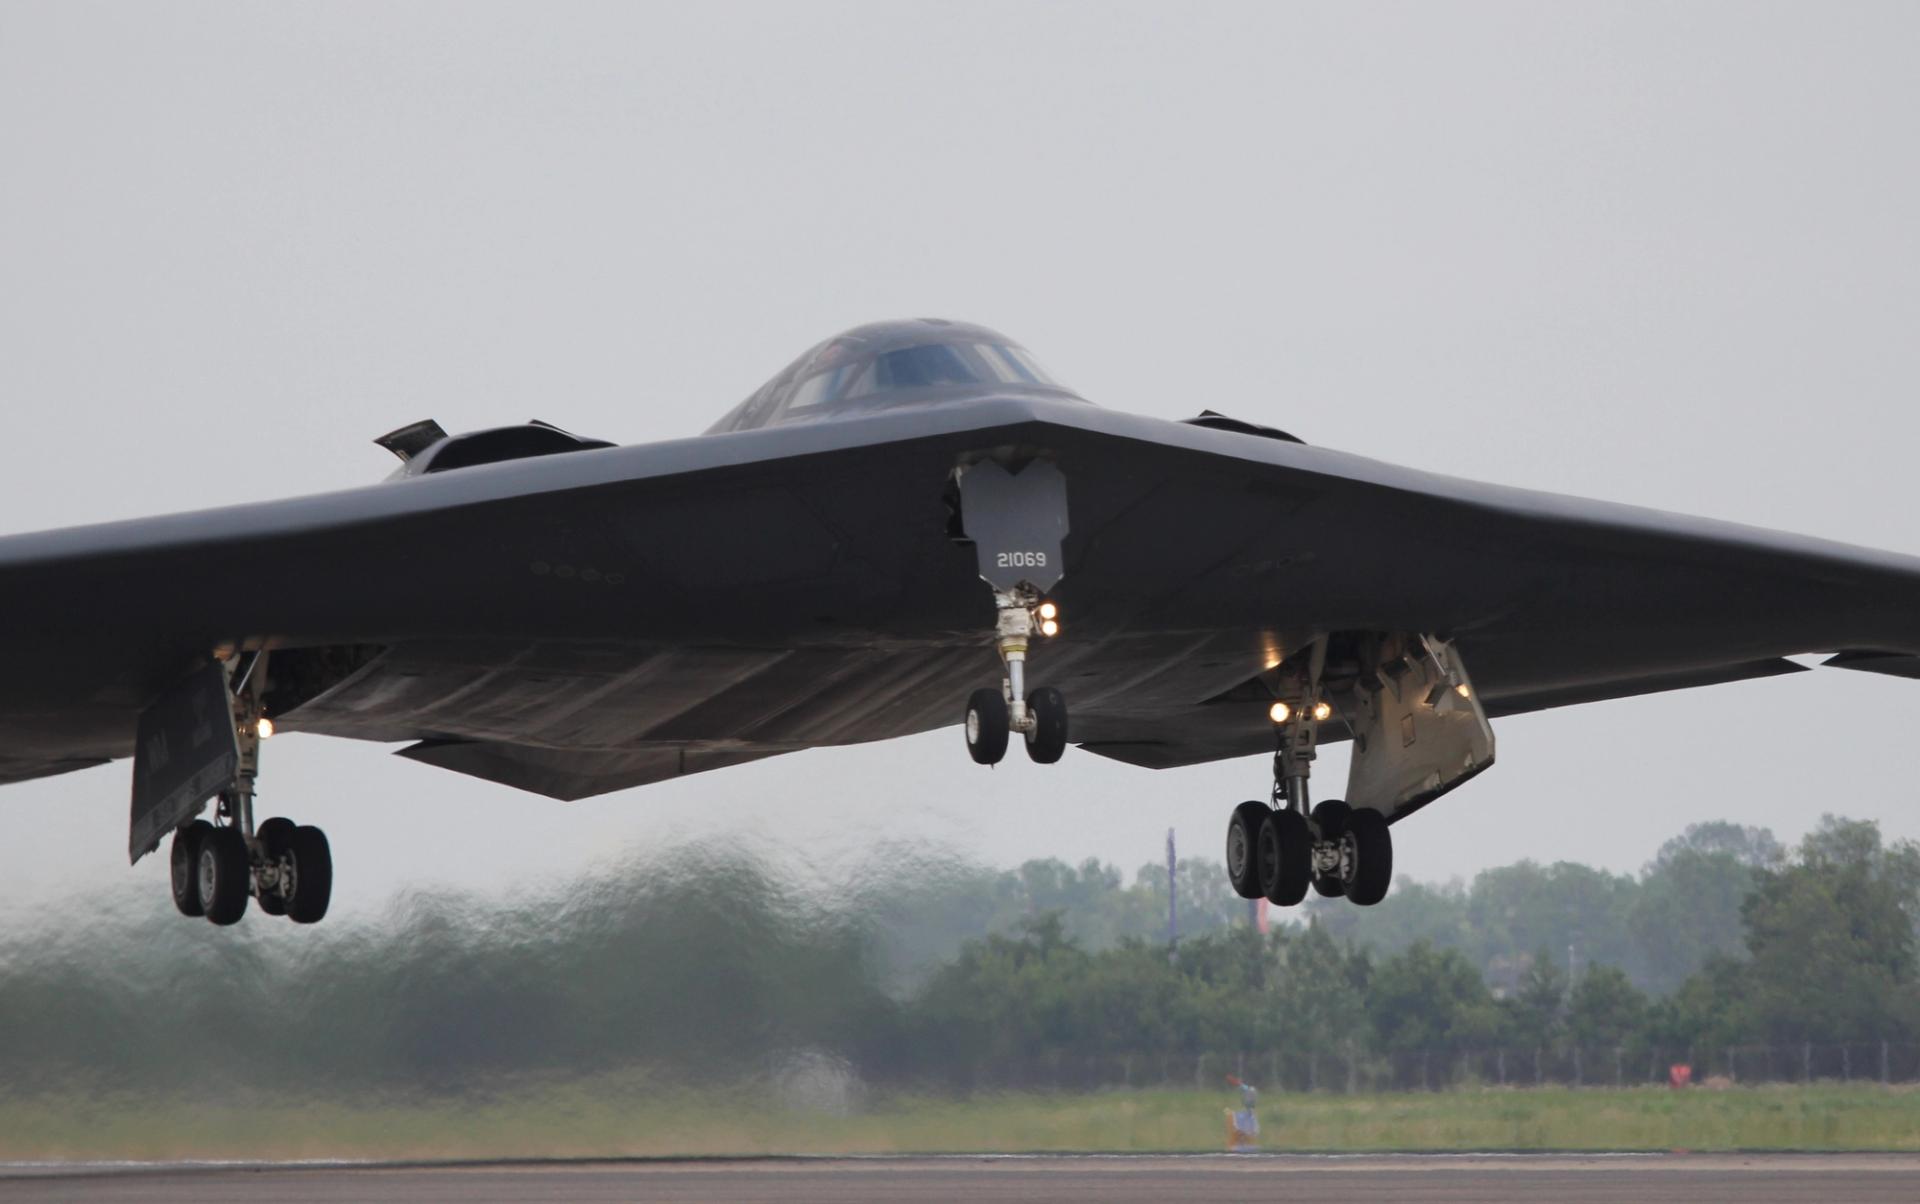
pixel 1193 554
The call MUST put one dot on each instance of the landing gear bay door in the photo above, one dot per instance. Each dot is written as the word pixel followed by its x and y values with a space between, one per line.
pixel 1418 729
pixel 1016 521
pixel 185 752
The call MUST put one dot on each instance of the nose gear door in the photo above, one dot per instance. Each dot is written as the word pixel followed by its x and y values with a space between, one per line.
pixel 1016 521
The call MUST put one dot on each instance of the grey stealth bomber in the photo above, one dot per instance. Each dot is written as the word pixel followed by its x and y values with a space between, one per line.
pixel 912 526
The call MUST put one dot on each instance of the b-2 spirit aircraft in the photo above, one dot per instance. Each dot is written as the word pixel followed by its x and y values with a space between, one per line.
pixel 912 526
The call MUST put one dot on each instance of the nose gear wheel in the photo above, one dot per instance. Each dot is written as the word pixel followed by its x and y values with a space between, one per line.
pixel 1047 734
pixel 987 726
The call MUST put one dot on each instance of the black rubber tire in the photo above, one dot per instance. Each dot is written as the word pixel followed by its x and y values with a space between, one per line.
pixel 986 726
pixel 225 875
pixel 275 837
pixel 184 866
pixel 1286 858
pixel 1048 739
pixel 1372 847
pixel 1330 818
pixel 312 875
pixel 1243 848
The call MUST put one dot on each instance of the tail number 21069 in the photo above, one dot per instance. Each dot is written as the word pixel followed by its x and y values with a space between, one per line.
pixel 1022 560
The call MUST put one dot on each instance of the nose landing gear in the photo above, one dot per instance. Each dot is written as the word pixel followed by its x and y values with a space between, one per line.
pixel 1041 716
pixel 1015 515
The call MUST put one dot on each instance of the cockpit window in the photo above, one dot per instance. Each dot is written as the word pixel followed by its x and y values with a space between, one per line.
pixel 831 385
pixel 926 366
pixel 876 367
pixel 1013 365
pixel 918 367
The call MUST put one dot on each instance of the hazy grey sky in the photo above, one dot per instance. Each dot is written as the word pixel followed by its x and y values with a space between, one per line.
pixel 1664 254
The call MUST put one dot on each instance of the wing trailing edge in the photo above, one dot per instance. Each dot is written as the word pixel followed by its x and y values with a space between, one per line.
pixel 1892 664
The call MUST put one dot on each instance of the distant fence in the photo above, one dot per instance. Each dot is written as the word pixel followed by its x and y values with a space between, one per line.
pixel 1358 1071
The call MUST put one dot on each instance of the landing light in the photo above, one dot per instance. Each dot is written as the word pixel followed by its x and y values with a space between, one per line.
pixel 1279 712
pixel 1049 627
pixel 1322 711
pixel 263 728
pixel 1463 691
pixel 1049 611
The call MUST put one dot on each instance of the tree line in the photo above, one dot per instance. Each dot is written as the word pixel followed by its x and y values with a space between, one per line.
pixel 712 965
pixel 1790 950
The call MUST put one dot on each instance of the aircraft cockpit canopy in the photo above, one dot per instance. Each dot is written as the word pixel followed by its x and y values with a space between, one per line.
pixel 888 364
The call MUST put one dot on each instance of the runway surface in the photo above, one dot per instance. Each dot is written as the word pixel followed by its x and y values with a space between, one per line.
pixel 1748 1178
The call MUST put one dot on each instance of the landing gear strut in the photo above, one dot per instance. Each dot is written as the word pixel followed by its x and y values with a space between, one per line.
pixel 1040 716
pixel 1276 850
pixel 216 867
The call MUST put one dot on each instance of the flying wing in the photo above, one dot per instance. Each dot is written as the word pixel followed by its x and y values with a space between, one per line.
pixel 586 618
pixel 1195 557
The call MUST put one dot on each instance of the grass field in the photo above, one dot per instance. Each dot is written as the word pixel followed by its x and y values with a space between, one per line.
pixel 608 1118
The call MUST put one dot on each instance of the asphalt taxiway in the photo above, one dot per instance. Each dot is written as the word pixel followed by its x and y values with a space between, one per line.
pixel 1748 1178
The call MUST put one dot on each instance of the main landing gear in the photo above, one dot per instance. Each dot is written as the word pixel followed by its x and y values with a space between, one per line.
pixel 1276 854
pixel 1039 716
pixel 217 867
pixel 1277 850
